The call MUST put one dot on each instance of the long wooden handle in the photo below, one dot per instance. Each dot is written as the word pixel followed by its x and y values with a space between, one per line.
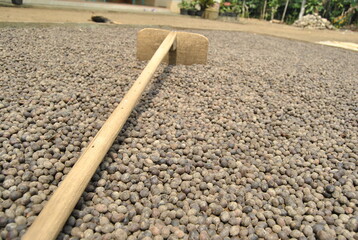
pixel 55 213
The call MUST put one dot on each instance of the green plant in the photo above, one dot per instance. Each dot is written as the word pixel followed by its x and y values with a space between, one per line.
pixel 206 3
pixel 224 9
pixel 229 6
pixel 314 6
pixel 184 4
pixel 193 5
pixel 236 9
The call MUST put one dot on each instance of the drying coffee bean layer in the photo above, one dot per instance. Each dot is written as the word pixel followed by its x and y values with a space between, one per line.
pixel 260 143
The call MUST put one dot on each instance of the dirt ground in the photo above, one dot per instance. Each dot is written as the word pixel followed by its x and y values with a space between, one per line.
pixel 41 15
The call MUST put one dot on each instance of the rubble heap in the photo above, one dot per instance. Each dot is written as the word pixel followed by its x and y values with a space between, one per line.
pixel 313 21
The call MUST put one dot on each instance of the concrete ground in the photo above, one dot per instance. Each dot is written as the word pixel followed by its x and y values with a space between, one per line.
pixel 93 5
pixel 147 16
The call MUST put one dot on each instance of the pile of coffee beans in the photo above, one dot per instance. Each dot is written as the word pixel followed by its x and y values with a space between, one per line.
pixel 260 143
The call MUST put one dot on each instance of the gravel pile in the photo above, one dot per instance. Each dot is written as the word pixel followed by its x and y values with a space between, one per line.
pixel 313 21
pixel 260 143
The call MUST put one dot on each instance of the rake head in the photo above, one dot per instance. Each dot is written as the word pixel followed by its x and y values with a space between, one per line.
pixel 189 48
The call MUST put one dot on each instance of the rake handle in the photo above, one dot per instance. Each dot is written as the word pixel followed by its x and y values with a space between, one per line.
pixel 57 210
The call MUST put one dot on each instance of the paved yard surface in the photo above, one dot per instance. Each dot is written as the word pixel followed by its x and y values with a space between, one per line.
pixel 41 15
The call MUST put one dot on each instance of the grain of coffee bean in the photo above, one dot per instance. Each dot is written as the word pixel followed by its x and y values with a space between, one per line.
pixel 259 143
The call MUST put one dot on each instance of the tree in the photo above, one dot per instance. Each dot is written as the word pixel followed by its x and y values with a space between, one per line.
pixel 243 8
pixel 284 11
pixel 274 4
pixel 264 10
pixel 302 11
pixel 339 12
pixel 326 8
pixel 314 6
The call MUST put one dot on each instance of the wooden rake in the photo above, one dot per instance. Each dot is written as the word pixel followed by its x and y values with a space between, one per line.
pixel 156 45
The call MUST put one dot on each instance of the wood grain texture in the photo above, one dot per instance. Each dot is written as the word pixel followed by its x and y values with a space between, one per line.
pixel 57 210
